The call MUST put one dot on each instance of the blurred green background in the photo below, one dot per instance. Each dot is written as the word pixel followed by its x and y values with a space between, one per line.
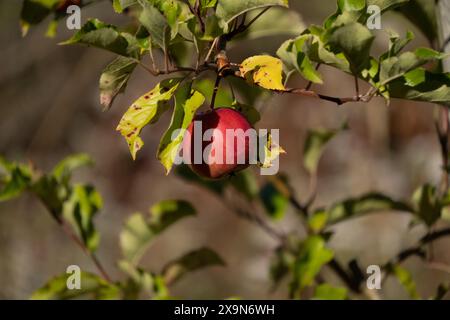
pixel 50 108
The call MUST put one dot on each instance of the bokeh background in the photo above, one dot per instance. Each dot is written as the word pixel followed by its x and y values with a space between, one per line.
pixel 49 108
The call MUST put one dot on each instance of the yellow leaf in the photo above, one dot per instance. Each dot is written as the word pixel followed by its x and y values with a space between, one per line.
pixel 147 109
pixel 272 151
pixel 265 71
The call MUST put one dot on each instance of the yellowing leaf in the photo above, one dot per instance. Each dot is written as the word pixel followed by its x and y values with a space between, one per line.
pixel 147 109
pixel 187 102
pixel 272 151
pixel 265 71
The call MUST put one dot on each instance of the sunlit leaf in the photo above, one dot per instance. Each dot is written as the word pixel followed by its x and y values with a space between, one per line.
pixel 406 280
pixel 14 179
pixel 328 292
pixel 312 256
pixel 91 286
pixel 271 153
pixel 265 71
pixel 79 210
pixel 367 203
pixel 146 110
pixel 187 101
pixel 64 168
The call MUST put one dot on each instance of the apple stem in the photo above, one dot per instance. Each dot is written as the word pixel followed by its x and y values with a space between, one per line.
pixel 214 94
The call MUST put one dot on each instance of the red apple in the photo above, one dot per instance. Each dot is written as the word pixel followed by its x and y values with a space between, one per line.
pixel 217 166
pixel 64 4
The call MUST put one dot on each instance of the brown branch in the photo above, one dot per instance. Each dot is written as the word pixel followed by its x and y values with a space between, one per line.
pixel 418 250
pixel 67 229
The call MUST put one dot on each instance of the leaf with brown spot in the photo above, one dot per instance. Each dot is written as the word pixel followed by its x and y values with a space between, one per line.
pixel 265 71
pixel 114 79
pixel 146 111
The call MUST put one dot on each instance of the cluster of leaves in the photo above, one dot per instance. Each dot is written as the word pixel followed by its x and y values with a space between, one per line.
pixel 344 42
pixel 185 29
pixel 74 207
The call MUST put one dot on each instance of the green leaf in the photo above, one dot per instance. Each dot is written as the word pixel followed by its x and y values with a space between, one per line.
pixel 192 261
pixel 15 179
pixel 34 12
pixel 245 183
pixel 230 9
pixel 105 36
pixel 312 256
pixel 427 205
pixel 140 231
pixel 315 144
pixel 52 194
pixel 214 27
pixel 156 24
pixel 146 110
pixel 114 79
pixel 117 6
pixel 263 70
pixel 396 44
pixel 406 280
pixel 187 101
pixel 64 169
pixel 328 292
pixel 120 5
pixel 92 286
pixel 351 5
pixel 354 40
pixel 422 85
pixel 274 201
pixel 318 220
pixel 280 265
pixel 389 4
pixel 224 97
pixel 397 66
pixel 367 203
pixel 139 281
pixel 250 113
pixel 295 58
pixel 79 210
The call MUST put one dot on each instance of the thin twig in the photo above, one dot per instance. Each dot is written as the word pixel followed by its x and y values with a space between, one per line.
pixel 243 27
pixel 356 86
pixel 214 94
pixel 66 228
pixel 213 45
